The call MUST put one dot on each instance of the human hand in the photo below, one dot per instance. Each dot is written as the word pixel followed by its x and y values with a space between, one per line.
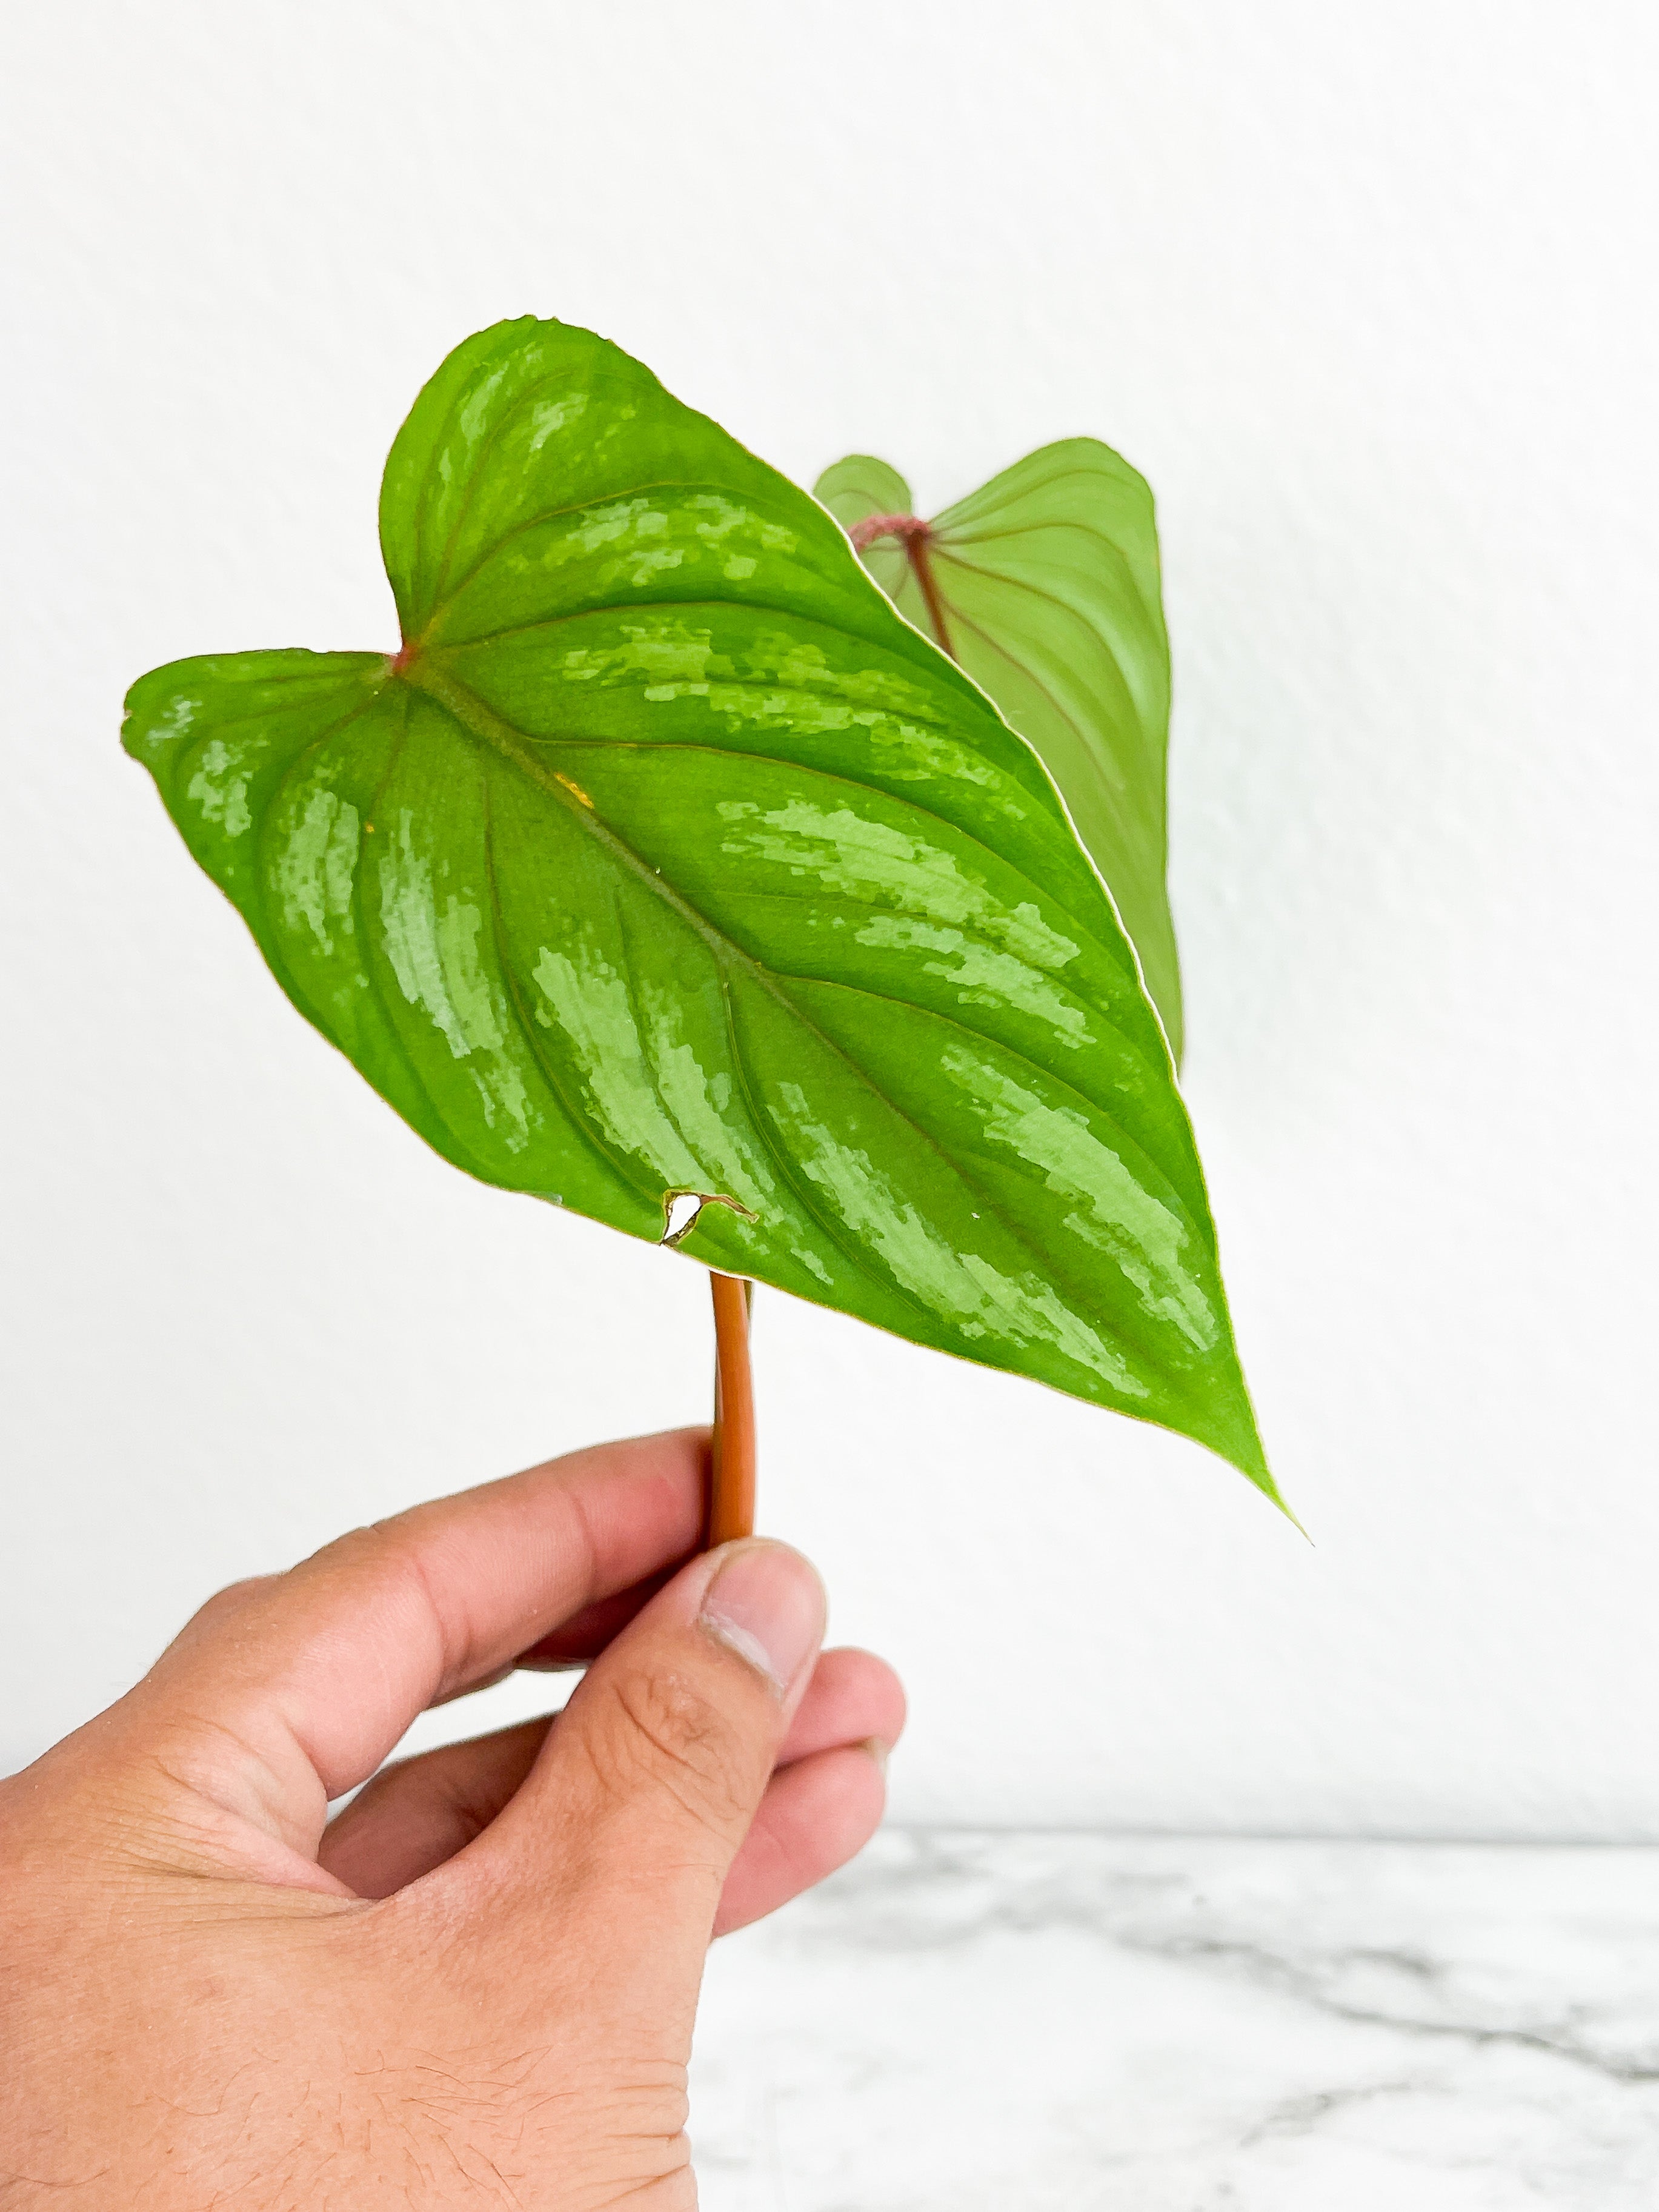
pixel 476 1987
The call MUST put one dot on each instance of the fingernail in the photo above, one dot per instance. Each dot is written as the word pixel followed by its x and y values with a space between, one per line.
pixel 878 1751
pixel 766 1604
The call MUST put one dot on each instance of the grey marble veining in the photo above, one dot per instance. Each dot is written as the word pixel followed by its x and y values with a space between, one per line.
pixel 1020 2023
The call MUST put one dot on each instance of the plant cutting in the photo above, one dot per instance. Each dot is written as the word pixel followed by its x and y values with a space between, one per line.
pixel 668 870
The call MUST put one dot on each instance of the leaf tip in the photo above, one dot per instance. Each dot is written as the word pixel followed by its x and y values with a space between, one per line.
pixel 1270 1490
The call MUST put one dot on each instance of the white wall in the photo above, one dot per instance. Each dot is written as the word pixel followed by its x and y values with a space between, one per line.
pixel 1366 290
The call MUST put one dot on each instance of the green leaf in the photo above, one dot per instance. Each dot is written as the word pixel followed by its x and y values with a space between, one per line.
pixel 664 857
pixel 1044 587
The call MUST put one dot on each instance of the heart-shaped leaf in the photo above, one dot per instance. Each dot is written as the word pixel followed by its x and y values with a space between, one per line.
pixel 1044 587
pixel 664 857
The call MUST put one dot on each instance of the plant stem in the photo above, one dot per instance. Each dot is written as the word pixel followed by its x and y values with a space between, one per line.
pixel 913 535
pixel 921 561
pixel 732 1485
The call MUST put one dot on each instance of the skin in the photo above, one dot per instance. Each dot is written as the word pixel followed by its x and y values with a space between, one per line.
pixel 475 1986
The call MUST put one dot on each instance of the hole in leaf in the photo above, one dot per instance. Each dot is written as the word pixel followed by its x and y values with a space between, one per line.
pixel 681 1208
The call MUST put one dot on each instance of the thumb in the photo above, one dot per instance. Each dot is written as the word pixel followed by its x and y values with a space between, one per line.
pixel 632 1815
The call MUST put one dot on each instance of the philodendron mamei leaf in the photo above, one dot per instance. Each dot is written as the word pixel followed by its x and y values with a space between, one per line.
pixel 1044 586
pixel 664 856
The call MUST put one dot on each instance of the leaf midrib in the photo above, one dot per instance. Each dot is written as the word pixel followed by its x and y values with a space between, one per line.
pixel 725 954
pixel 481 722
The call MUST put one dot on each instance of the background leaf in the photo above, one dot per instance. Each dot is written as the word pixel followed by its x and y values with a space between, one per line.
pixel 1044 587
pixel 665 856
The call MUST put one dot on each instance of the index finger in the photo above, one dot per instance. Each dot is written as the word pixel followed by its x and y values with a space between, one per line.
pixel 339 1655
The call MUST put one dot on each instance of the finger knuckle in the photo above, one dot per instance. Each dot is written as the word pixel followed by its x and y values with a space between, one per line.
pixel 667 1731
pixel 362 1552
pixel 235 1598
pixel 387 1560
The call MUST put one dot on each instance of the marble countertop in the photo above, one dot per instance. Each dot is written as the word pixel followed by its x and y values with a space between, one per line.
pixel 1024 2023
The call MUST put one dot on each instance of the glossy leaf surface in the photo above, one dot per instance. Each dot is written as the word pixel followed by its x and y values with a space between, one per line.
pixel 665 856
pixel 1044 586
